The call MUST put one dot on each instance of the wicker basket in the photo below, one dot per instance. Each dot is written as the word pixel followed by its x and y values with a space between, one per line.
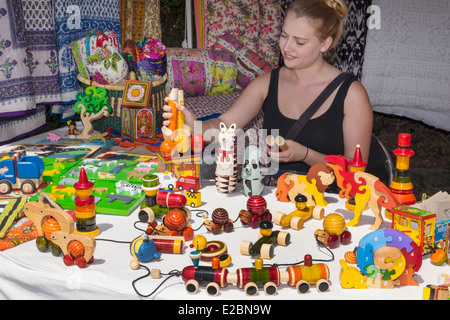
pixel 115 93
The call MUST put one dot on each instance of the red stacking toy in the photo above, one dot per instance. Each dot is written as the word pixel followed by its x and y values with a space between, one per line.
pixel 85 206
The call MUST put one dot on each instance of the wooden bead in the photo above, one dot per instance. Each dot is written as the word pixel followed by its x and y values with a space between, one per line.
pixel 134 264
pixel 155 273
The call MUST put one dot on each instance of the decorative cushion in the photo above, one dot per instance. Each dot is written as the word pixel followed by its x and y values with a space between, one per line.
pixel 107 66
pixel 249 63
pixel 200 72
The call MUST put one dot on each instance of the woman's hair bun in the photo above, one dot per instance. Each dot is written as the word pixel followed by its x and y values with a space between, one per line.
pixel 339 6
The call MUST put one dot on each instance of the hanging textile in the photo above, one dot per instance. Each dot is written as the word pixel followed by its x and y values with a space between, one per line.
pixel 139 18
pixel 73 20
pixel 28 66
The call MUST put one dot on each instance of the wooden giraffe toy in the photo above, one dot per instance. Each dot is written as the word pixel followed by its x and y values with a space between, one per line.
pixel 226 166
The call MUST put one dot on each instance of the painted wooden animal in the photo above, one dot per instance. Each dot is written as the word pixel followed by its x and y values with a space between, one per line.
pixel 312 185
pixel 252 176
pixel 364 187
pixel 226 166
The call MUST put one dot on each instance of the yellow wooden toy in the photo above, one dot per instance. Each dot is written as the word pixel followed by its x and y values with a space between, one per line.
pixel 296 218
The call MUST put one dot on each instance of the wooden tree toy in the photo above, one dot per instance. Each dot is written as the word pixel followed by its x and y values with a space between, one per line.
pixel 298 217
pixel 226 166
pixel 91 105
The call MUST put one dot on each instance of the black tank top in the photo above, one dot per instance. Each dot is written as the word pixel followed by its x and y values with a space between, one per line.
pixel 323 134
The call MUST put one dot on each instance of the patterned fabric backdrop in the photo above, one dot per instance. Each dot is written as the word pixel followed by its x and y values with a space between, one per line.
pixel 28 66
pixel 73 19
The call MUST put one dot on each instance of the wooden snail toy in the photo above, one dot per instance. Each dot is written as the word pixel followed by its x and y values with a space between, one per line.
pixel 298 217
pixel 256 212
pixel 206 251
pixel 264 246
pixel 220 221
pixel 334 231
pixel 56 231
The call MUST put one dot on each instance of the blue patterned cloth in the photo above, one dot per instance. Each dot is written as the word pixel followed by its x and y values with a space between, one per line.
pixel 73 20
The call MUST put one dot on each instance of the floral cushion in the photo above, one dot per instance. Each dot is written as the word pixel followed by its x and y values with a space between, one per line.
pixel 249 63
pixel 107 66
pixel 200 72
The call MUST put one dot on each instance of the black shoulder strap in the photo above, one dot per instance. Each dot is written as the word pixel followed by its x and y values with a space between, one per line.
pixel 304 118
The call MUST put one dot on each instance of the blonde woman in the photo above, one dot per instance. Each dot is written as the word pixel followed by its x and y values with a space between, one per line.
pixel 344 120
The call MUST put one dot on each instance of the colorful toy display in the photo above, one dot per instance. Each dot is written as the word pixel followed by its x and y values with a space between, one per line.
pixel 264 246
pixel 364 187
pixel 20 172
pixel 56 231
pixel 385 258
pixel 85 206
pixel 312 185
pixel 252 176
pixel 226 164
pixel 298 217
pixel 256 212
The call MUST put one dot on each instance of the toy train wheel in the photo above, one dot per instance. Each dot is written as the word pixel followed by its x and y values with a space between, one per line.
pixel 212 289
pixel 245 247
pixel 28 186
pixel 302 287
pixel 5 186
pixel 297 223
pixel 251 289
pixel 192 286
pixel 322 285
pixel 267 251
pixel 270 288
pixel 283 238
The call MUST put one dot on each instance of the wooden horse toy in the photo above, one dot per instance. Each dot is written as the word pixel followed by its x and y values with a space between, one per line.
pixel 226 166
pixel 56 226
pixel 364 187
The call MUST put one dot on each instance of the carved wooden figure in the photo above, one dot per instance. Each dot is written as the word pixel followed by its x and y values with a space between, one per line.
pixel 226 166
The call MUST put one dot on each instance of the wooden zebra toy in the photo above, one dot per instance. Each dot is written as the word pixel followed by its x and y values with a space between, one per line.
pixel 226 165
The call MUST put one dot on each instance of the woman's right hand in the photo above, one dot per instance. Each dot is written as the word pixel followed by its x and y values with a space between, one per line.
pixel 189 118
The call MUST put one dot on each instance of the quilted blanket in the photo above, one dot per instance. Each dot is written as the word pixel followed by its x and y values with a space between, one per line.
pixel 407 60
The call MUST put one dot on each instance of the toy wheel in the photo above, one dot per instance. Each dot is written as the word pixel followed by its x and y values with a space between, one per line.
pixel 5 186
pixel 322 285
pixel 245 247
pixel 318 213
pixel 188 233
pixel 91 260
pixel 180 188
pixel 212 289
pixel 267 251
pixel 191 286
pixel 297 223
pixel 283 238
pixel 28 186
pixel 302 287
pixel 277 217
pixel 146 215
pixel 68 260
pixel 251 289
pixel 270 288
pixel 191 190
pixel 81 262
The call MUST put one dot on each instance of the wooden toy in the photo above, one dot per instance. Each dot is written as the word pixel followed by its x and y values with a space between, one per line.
pixel 334 231
pixel 385 258
pixel 355 165
pixel 401 185
pixel 419 224
pixel 226 166
pixel 264 246
pixel 433 292
pixel 24 172
pixel 298 217
pixel 180 166
pixel 364 187
pixel 256 212
pixel 190 183
pixel 194 199
pixel 208 251
pixel 85 206
pixel 72 130
pixel 277 143
pixel 312 185
pixel 91 105
pixel 438 256
pixel 252 279
pixel 252 175
pixel 220 221
pixel 56 231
